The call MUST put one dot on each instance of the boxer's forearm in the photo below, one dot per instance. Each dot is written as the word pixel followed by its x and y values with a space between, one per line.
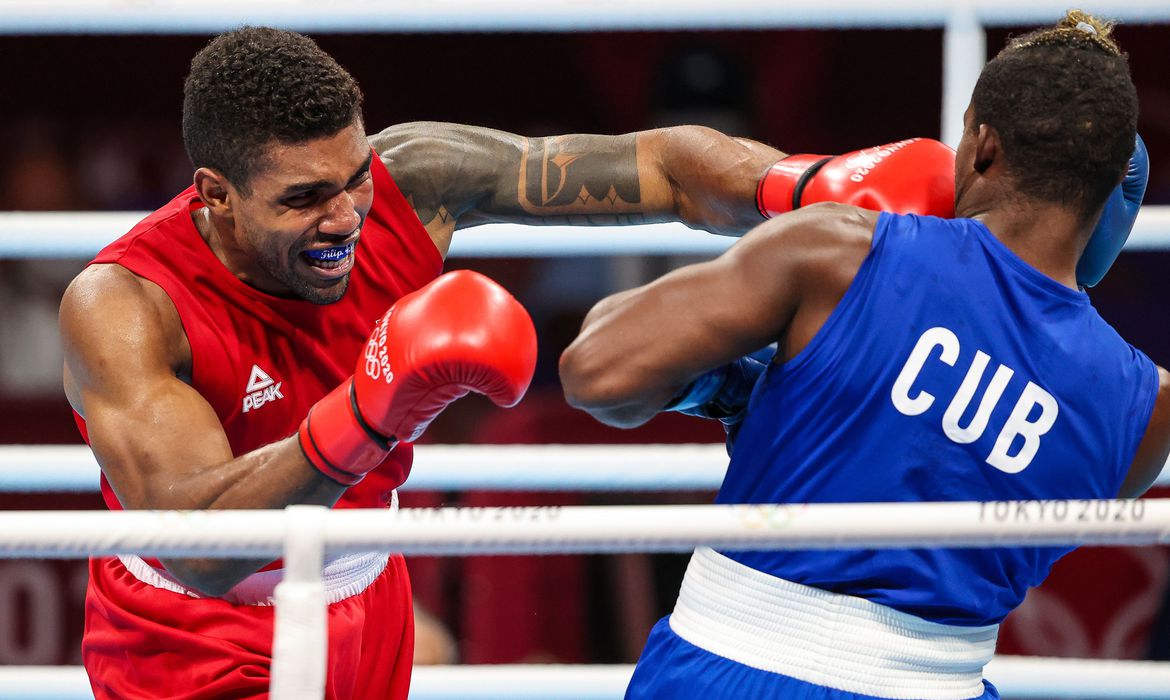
pixel 711 177
pixel 472 175
pixel 191 472
pixel 160 444
pixel 620 416
pixel 595 371
pixel 606 306
pixel 271 477
pixel 595 382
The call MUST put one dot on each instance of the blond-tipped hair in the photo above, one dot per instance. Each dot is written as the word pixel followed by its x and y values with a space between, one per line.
pixel 1077 28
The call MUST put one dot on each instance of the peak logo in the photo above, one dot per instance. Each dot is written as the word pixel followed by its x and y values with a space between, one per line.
pixel 261 389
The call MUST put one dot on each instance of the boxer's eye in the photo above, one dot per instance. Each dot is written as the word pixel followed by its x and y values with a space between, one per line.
pixel 299 200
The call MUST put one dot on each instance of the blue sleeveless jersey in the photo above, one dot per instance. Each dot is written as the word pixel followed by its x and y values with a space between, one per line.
pixel 950 371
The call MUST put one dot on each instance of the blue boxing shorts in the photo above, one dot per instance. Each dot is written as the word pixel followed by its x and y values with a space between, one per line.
pixel 673 668
pixel 740 633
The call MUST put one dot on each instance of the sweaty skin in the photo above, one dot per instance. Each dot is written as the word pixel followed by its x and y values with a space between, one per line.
pixel 127 358
pixel 781 282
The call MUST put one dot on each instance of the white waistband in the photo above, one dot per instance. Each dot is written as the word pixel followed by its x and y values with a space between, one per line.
pixel 343 576
pixel 829 639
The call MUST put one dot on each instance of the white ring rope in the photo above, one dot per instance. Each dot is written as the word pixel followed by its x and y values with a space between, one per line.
pixel 576 529
pixel 60 468
pixel 54 468
pixel 450 531
pixel 82 234
pixel 179 16
pixel 1016 677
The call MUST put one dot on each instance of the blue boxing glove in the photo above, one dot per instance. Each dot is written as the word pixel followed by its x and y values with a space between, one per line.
pixel 722 394
pixel 1121 210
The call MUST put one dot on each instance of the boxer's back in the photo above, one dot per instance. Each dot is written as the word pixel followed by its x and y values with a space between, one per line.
pixel 950 371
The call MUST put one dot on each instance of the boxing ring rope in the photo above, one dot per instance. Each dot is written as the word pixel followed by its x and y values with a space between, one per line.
pixel 962 21
pixel 304 533
pixel 64 468
pixel 361 16
pixel 82 234
pixel 584 529
pixel 538 467
pixel 57 235
pixel 696 467
pixel 1018 678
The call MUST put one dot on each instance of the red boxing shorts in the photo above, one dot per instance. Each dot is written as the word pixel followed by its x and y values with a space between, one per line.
pixel 145 641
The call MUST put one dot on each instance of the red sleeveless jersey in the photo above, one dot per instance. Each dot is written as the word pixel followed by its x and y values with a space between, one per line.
pixel 262 361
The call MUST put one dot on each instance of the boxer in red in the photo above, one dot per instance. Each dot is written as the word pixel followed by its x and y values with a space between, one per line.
pixel 211 352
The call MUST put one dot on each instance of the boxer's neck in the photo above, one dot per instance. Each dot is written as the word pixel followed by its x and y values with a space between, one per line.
pixel 1050 237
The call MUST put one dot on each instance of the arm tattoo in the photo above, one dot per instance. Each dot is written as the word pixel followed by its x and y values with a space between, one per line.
pixel 578 180
pixel 478 175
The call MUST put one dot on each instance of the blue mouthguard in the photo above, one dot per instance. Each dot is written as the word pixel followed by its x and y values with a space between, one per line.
pixel 330 253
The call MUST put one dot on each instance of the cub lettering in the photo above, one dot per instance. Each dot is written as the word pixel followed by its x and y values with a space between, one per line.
pixel 912 403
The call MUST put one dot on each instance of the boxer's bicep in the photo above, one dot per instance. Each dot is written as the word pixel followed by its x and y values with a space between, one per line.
pixel 659 337
pixel 636 349
pixel 148 429
pixel 1150 459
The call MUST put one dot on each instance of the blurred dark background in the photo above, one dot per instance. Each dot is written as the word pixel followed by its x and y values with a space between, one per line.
pixel 92 123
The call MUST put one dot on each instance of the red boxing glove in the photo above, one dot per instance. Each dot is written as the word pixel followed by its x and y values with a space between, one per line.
pixel 915 176
pixel 460 333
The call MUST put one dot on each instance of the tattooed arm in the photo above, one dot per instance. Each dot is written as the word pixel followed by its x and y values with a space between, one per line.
pixel 457 176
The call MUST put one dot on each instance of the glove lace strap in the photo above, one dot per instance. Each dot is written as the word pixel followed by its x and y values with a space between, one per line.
pixel 380 440
pixel 318 459
pixel 805 177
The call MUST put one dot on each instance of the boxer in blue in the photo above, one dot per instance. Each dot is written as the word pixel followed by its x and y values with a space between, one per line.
pixel 917 359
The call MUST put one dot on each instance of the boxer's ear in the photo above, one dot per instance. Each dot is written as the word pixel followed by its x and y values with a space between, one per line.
pixel 987 147
pixel 216 191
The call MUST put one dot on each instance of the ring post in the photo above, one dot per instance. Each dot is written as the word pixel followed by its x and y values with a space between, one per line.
pixel 300 635
pixel 964 53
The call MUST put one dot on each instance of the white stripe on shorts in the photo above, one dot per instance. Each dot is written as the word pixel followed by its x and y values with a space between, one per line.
pixel 828 639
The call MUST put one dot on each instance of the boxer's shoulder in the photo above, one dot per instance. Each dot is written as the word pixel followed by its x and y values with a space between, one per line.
pixel 815 235
pixel 111 290
pixel 110 312
pixel 802 263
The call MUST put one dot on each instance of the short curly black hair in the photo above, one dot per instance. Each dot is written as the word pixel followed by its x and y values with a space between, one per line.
pixel 1066 111
pixel 254 86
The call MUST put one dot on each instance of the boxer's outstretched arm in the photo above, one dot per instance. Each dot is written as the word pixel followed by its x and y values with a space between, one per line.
pixel 458 176
pixel 780 282
pixel 158 441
